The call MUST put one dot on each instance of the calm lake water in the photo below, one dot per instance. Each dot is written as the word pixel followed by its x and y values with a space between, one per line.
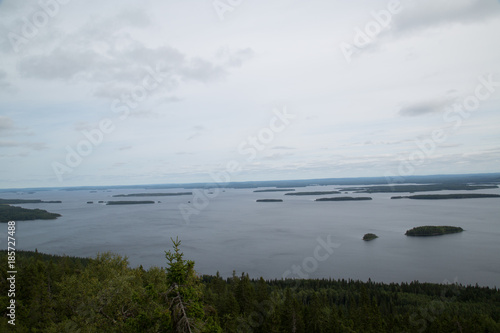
pixel 268 239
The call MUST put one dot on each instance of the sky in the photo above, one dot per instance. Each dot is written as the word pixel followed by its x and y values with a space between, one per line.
pixel 144 92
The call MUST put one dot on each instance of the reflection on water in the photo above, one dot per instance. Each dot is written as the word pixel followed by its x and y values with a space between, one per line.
pixel 268 239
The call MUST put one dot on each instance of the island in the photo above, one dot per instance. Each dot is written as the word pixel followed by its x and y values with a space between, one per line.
pixel 276 190
pixel 419 188
pixel 269 200
pixel 344 199
pixel 25 201
pixel 433 230
pixel 152 194
pixel 369 237
pixel 14 213
pixel 129 202
pixel 448 196
pixel 313 193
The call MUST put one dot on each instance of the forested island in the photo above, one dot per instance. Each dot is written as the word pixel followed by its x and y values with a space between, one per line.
pixel 269 200
pixel 448 196
pixel 369 237
pixel 103 294
pixel 419 188
pixel 313 193
pixel 432 230
pixel 344 199
pixel 152 194
pixel 276 190
pixel 24 201
pixel 14 213
pixel 129 202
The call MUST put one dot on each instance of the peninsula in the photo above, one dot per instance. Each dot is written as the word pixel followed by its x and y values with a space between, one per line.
pixel 13 213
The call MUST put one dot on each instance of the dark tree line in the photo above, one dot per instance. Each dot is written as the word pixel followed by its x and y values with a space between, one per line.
pixel 67 294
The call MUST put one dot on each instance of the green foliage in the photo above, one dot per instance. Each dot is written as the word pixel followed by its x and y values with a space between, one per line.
pixel 130 202
pixel 67 294
pixel 344 199
pixel 313 193
pixel 269 200
pixel 449 196
pixel 152 194
pixel 369 237
pixel 420 188
pixel 13 213
pixel 432 230
pixel 23 201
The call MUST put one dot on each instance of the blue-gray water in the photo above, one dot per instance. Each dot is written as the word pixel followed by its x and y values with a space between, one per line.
pixel 267 239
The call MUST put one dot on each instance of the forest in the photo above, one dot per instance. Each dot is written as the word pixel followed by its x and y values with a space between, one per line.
pixel 448 196
pixel 103 294
pixel 14 213
pixel 429 230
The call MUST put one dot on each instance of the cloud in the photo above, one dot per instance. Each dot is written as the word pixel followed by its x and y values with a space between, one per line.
pixel 104 54
pixel 423 108
pixel 283 148
pixel 198 131
pixel 83 126
pixel 235 58
pixel 424 14
pixel 4 84
pixel 16 144
pixel 6 124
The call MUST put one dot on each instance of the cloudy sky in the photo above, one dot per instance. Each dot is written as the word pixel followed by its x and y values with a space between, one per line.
pixel 141 92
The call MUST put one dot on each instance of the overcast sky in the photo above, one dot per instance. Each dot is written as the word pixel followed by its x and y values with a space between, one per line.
pixel 141 92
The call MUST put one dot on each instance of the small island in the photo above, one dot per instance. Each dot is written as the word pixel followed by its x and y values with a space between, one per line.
pixel 152 194
pixel 313 193
pixel 13 213
pixel 369 237
pixel 448 196
pixel 129 202
pixel 269 200
pixel 276 190
pixel 344 199
pixel 433 230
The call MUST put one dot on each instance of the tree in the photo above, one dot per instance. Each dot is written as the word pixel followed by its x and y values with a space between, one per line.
pixel 184 294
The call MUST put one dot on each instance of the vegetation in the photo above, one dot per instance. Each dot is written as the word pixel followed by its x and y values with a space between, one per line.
pixel 433 230
pixel 269 200
pixel 67 294
pixel 369 237
pixel 344 199
pixel 129 202
pixel 13 213
pixel 276 190
pixel 419 188
pixel 449 196
pixel 23 201
pixel 313 193
pixel 153 194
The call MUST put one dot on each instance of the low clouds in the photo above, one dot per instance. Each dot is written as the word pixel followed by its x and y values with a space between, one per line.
pixel 106 55
pixel 6 124
pixel 17 144
pixel 424 108
pixel 3 80
pixel 422 14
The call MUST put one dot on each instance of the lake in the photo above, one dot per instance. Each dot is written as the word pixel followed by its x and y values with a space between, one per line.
pixel 273 239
